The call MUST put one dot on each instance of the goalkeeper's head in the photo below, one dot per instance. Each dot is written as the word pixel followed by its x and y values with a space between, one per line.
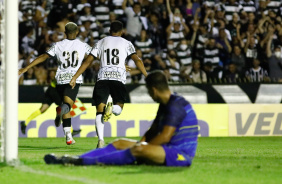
pixel 71 29
pixel 157 85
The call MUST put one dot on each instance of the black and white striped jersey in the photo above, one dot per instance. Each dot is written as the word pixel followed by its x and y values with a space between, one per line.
pixel 248 6
pixel 256 75
pixel 232 8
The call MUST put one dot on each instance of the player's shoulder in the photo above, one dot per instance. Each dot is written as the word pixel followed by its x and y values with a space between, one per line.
pixel 178 100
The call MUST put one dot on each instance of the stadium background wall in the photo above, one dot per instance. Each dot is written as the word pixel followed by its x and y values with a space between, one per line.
pixel 245 93
pixel 222 110
pixel 215 120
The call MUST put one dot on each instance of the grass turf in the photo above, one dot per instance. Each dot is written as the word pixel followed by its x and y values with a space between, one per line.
pixel 218 160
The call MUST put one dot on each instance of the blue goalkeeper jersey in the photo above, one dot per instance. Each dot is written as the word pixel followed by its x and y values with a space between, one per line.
pixel 178 113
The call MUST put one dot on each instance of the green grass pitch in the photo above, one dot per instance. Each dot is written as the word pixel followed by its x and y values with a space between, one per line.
pixel 238 160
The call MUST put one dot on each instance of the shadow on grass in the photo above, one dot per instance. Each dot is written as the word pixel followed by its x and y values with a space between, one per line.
pixel 141 169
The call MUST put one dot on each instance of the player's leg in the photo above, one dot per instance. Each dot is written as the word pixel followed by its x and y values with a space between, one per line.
pixel 118 93
pixel 69 99
pixel 152 154
pixel 68 95
pixel 99 122
pixel 119 144
pixel 116 146
pixel 147 153
pixel 100 97
pixel 58 100
pixel 33 115
pixel 67 128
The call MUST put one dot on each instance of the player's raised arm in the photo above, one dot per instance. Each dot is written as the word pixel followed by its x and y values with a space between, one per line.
pixel 138 62
pixel 82 68
pixel 35 62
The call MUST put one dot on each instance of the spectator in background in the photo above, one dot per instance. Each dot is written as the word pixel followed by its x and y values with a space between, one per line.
pixel 134 75
pixel 273 5
pixel 232 25
pixel 248 6
pixel 155 30
pixel 86 34
pixel 135 22
pixel 184 53
pixel 102 11
pixel 274 61
pixel 238 59
pixel 174 32
pixel 117 9
pixel 201 41
pixel 231 75
pixel 195 75
pixel 107 24
pixel 184 50
pixel 188 9
pixel 211 52
pixel 225 47
pixel 60 9
pixel 89 25
pixel 144 43
pixel 28 41
pixel 175 16
pixel 257 73
pixel 29 77
pixel 231 6
pixel 173 66
pixel 250 50
pixel 162 57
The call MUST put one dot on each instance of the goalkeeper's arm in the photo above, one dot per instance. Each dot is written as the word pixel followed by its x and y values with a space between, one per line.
pixel 151 133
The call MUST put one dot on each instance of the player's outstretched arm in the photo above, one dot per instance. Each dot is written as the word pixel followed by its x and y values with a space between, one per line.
pixel 81 69
pixel 35 62
pixel 138 62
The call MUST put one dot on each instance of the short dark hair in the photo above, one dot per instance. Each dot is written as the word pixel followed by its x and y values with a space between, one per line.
pixel 158 80
pixel 116 26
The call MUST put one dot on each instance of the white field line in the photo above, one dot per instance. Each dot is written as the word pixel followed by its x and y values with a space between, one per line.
pixel 64 177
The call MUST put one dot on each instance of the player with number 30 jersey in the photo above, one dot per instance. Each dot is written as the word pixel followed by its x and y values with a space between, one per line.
pixel 70 54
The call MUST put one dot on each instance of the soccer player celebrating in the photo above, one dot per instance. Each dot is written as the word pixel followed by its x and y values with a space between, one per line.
pixel 171 140
pixel 112 51
pixel 70 53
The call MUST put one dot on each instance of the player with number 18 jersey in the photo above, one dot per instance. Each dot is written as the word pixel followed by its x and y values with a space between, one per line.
pixel 113 52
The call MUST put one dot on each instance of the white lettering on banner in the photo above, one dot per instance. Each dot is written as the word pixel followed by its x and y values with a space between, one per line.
pixel 115 75
pixel 263 125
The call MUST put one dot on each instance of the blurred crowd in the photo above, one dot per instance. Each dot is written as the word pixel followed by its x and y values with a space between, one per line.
pixel 192 41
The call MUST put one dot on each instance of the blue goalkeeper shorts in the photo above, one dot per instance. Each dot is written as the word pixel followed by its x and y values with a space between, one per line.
pixel 174 156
